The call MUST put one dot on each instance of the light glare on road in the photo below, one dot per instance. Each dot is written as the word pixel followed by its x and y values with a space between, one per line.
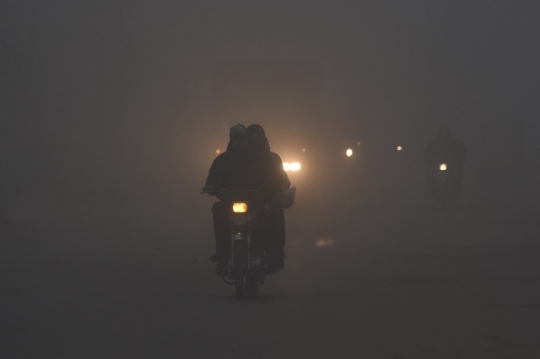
pixel 324 242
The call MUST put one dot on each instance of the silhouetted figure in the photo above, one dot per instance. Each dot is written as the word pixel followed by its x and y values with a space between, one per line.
pixel 445 153
pixel 271 229
pixel 248 164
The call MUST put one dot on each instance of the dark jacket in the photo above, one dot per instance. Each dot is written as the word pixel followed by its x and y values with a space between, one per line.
pixel 250 166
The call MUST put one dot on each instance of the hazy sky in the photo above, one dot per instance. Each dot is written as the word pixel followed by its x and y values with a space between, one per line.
pixel 115 97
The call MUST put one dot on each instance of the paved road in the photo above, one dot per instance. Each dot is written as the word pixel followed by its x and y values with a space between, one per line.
pixel 364 282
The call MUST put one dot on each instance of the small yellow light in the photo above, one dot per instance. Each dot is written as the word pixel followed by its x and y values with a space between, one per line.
pixel 239 207
pixel 349 153
pixel 303 150
pixel 442 167
pixel 218 151
pixel 399 148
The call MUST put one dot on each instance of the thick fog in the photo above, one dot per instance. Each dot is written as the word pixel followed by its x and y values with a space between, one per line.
pixel 111 113
pixel 127 101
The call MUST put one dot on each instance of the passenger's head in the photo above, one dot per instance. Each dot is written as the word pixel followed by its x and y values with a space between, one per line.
pixel 257 138
pixel 255 130
pixel 444 132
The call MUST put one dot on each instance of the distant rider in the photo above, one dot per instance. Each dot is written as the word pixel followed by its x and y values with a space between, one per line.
pixel 448 150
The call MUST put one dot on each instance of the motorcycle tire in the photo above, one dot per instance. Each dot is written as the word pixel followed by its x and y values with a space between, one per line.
pixel 240 284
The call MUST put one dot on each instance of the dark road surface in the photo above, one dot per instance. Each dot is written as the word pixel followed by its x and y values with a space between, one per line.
pixel 390 283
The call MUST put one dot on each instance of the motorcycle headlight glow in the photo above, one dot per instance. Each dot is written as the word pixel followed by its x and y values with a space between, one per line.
pixel 442 167
pixel 239 207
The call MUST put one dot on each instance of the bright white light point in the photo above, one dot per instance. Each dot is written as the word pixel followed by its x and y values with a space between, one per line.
pixel 399 148
pixel 349 152
pixel 442 167
pixel 291 166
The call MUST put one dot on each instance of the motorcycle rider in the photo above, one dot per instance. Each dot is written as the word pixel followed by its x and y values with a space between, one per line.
pixel 445 149
pixel 217 179
pixel 248 164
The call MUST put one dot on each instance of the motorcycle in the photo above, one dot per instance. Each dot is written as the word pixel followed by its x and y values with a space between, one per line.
pixel 444 183
pixel 246 264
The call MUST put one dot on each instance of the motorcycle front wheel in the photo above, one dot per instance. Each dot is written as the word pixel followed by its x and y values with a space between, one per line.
pixel 240 284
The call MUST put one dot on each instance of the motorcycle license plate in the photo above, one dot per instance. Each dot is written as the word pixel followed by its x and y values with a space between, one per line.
pixel 240 219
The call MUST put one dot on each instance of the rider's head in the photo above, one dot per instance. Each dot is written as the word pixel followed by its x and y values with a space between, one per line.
pixel 237 132
pixel 237 136
pixel 444 132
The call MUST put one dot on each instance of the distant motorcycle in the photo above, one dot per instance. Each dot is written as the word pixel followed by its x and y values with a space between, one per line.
pixel 247 268
pixel 444 183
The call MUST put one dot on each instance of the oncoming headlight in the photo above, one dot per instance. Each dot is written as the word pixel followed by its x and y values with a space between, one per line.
pixel 292 166
pixel 239 207
pixel 442 167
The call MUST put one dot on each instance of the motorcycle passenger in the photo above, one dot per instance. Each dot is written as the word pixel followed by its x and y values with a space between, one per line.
pixel 271 229
pixel 247 164
pixel 449 150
